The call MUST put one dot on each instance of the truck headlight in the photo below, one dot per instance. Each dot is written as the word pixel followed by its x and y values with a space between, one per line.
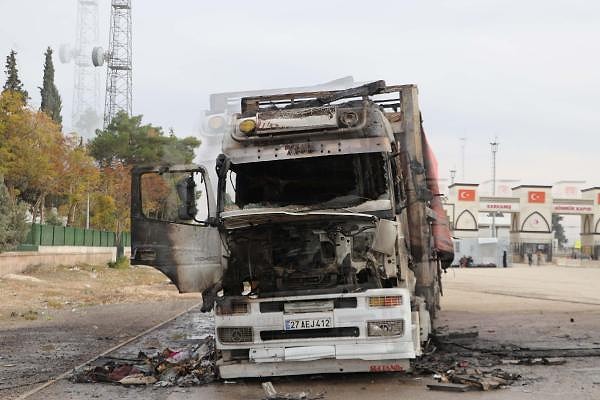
pixel 349 119
pixel 385 301
pixel 388 327
pixel 216 123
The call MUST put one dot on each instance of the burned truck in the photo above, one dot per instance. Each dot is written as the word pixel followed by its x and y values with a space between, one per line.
pixel 322 249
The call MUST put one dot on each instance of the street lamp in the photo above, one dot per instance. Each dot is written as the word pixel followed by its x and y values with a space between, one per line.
pixel 494 146
pixel 463 144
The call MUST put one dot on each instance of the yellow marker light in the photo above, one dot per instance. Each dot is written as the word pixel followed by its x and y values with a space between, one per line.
pixel 247 125
pixel 385 301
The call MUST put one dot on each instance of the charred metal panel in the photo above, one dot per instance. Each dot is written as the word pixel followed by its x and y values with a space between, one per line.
pixel 359 130
pixel 188 253
pixel 306 148
pixel 303 119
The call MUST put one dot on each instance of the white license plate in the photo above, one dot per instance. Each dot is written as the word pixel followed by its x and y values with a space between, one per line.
pixel 309 323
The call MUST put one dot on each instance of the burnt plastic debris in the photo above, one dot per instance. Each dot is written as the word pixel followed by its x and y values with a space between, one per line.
pixel 272 394
pixel 191 366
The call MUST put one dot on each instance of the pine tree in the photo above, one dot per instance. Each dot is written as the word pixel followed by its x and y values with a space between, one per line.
pixel 51 103
pixel 559 230
pixel 13 82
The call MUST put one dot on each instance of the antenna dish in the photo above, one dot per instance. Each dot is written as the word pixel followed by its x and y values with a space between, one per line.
pixel 98 56
pixel 65 53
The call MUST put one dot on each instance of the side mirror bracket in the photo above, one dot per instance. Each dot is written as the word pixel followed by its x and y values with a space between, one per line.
pixel 186 190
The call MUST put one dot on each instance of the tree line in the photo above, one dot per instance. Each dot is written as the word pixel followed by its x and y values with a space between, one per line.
pixel 48 176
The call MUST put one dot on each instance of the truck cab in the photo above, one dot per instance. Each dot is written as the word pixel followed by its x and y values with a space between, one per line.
pixel 317 253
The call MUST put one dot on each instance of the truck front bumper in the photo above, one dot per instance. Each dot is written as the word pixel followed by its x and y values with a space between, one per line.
pixel 247 369
pixel 272 361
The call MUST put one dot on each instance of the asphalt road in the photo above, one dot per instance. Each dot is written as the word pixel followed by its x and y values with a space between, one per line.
pixel 542 307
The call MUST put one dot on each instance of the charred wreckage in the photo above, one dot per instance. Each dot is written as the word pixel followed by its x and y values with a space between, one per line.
pixel 321 246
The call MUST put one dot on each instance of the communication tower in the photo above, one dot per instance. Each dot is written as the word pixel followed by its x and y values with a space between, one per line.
pixel 118 60
pixel 86 82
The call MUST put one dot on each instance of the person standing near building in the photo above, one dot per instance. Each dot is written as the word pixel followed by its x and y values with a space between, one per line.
pixel 529 258
pixel 504 261
pixel 538 256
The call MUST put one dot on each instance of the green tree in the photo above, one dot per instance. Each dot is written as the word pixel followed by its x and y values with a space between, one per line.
pixel 105 212
pixel 13 83
pixel 51 103
pixel 126 141
pixel 13 227
pixel 88 122
pixel 81 177
pixel 559 231
pixel 32 153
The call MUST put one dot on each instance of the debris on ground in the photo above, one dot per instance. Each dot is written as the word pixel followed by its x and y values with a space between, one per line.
pixel 181 367
pixel 272 394
pixel 459 371
pixel 536 361
pixel 482 380
pixel 460 361
pixel 464 379
pixel 449 387
pixel 443 332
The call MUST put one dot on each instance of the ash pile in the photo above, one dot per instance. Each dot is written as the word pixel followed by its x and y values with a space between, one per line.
pixel 190 366
pixel 457 368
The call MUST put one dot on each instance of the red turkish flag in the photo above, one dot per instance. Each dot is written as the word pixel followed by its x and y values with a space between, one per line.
pixel 536 197
pixel 466 194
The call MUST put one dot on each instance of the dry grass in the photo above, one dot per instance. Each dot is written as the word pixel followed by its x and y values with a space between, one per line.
pixel 73 287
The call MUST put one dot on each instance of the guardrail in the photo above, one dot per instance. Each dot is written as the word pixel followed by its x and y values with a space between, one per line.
pixel 53 235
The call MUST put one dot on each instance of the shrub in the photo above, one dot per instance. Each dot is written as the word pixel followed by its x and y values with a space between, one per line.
pixel 121 263
pixel 13 227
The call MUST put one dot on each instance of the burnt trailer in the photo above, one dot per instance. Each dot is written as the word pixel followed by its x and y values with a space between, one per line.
pixel 322 248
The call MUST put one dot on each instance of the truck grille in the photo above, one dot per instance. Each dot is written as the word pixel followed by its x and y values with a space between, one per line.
pixel 302 281
pixel 241 334
pixel 310 333
pixel 277 306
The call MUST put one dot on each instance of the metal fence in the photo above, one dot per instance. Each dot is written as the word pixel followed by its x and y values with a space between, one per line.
pixel 52 235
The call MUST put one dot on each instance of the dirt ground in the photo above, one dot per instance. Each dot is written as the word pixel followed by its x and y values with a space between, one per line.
pixel 52 319
pixel 534 307
pixel 42 293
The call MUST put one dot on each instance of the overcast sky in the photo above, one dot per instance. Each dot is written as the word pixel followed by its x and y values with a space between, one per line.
pixel 526 71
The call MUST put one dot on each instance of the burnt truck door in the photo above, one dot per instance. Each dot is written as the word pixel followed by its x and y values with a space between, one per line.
pixel 173 229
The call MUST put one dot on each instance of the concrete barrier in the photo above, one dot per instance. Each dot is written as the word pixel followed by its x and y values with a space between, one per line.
pixel 15 262
pixel 575 262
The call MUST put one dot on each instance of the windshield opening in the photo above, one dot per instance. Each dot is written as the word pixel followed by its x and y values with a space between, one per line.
pixel 340 180
pixel 323 256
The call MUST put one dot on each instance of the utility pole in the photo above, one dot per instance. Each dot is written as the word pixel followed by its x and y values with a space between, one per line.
pixel 494 145
pixel 87 212
pixel 463 144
